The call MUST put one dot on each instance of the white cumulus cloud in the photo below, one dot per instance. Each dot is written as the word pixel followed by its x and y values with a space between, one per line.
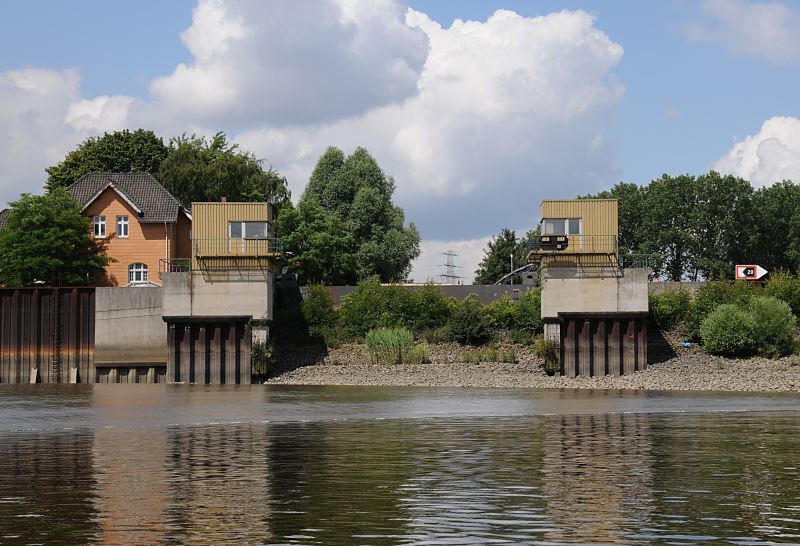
pixel 41 117
pixel 769 156
pixel 278 63
pixel 509 111
pixel 770 30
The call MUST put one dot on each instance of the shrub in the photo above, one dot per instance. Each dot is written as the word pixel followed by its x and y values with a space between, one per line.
pixel 436 335
pixel 521 337
pixel 528 312
pixel 546 350
pixel 332 335
pixel 728 330
pixel 714 294
pixel 318 308
pixel 417 355
pixel 467 325
pixel 432 310
pixel 773 326
pixel 362 310
pixel 786 287
pixel 391 345
pixel 488 354
pixel 500 313
pixel 399 307
pixel 670 307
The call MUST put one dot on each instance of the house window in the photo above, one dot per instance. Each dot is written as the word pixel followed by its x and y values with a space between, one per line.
pixel 137 274
pixel 248 230
pixel 122 226
pixel 561 226
pixel 99 223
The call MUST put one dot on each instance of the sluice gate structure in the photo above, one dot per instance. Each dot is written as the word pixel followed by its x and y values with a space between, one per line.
pixel 594 308
pixel 209 350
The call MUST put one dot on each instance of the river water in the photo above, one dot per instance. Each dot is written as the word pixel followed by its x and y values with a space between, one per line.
pixel 147 464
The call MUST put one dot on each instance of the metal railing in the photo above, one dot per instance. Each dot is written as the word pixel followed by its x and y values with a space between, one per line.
pixel 174 265
pixel 633 260
pixel 236 248
pixel 574 244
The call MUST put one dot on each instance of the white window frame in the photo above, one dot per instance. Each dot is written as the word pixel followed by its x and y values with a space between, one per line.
pixel 135 270
pixel 243 231
pixel 123 222
pixel 566 226
pixel 99 226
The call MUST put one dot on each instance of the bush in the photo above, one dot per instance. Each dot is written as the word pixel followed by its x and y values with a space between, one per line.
pixel 488 354
pixel 786 287
pixel 528 312
pixel 362 310
pixel 431 310
pixel 318 310
pixel 714 294
pixel 467 325
pixel 375 306
pixel 500 313
pixel 399 307
pixel 392 345
pixel 773 326
pixel 417 355
pixel 546 350
pixel 728 330
pixel 670 308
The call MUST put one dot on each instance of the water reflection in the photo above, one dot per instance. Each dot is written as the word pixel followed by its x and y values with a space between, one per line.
pixel 47 485
pixel 600 477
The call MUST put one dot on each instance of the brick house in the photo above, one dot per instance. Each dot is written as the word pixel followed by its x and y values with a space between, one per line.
pixel 146 227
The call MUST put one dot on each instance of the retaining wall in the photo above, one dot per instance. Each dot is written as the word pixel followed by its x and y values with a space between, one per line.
pixel 128 327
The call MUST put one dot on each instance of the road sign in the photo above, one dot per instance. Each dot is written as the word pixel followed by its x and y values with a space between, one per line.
pixel 750 272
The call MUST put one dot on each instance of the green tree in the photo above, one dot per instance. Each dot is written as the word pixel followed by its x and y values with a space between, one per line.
pixel 666 226
pixel 320 244
pixel 46 239
pixel 496 260
pixel 120 151
pixel 197 169
pixel 722 224
pixel 776 211
pixel 356 191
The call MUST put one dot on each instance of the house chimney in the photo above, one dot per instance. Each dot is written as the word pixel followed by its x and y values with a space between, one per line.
pixel 223 199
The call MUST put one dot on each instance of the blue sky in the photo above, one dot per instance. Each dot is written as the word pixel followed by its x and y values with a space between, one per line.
pixel 695 88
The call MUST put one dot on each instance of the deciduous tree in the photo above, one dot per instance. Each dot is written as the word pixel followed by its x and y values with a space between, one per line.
pixel 46 240
pixel 119 151
pixel 356 191
pixel 198 169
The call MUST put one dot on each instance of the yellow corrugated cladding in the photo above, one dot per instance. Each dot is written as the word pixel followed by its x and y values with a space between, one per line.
pixel 210 220
pixel 210 235
pixel 598 216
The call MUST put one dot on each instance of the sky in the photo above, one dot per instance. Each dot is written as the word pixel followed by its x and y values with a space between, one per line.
pixel 479 109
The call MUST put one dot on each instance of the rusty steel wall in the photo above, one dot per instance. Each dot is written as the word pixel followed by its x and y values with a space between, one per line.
pixel 211 352
pixel 46 335
pixel 600 346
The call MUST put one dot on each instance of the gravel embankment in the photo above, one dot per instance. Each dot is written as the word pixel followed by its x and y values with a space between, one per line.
pixel 688 370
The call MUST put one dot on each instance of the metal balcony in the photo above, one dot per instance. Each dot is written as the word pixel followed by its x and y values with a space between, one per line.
pixel 235 248
pixel 235 254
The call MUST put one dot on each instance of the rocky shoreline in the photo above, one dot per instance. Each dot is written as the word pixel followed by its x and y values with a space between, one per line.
pixel 684 370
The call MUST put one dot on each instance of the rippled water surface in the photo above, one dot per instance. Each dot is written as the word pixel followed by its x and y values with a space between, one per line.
pixel 138 464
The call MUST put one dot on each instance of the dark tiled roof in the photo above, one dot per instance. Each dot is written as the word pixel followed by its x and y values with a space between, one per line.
pixel 144 191
pixel 3 215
